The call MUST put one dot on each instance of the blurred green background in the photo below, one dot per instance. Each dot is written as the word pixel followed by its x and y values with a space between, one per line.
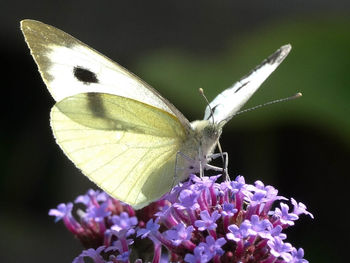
pixel 301 147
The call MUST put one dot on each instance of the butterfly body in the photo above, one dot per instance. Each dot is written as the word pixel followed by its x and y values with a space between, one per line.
pixel 121 133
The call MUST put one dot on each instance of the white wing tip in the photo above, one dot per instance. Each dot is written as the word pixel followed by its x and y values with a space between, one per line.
pixel 286 49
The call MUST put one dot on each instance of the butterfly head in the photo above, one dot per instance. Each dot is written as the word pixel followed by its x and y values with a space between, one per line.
pixel 207 133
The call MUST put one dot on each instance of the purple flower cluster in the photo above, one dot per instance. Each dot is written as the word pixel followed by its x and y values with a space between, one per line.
pixel 199 221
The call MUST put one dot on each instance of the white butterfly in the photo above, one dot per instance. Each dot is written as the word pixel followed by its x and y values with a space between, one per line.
pixel 118 130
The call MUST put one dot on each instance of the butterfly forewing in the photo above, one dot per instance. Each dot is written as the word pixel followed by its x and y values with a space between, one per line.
pixel 228 102
pixel 69 67
pixel 128 148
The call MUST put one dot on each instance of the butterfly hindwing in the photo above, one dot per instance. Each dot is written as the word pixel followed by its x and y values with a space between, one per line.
pixel 126 147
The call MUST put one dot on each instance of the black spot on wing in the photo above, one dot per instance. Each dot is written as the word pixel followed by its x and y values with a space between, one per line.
pixel 240 87
pixel 84 75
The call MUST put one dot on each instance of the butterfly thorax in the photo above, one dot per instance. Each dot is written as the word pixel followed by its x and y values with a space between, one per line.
pixel 200 143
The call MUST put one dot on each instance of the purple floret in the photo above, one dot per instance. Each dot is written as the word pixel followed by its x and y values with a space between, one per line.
pixel 152 226
pixel 214 246
pixel 179 234
pixel 298 256
pixel 284 216
pixel 98 213
pixel 61 211
pixel 280 249
pixel 94 254
pixel 200 255
pixel 207 221
pixel 237 233
pixel 300 208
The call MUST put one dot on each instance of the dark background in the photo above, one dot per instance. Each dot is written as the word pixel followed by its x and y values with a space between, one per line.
pixel 301 147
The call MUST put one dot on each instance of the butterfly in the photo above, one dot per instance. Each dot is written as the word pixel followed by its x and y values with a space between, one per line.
pixel 120 132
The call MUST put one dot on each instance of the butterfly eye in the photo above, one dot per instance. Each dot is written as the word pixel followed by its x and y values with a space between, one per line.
pixel 85 75
pixel 211 132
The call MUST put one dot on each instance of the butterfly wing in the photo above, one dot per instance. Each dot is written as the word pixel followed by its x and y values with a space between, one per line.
pixel 126 147
pixel 228 102
pixel 70 67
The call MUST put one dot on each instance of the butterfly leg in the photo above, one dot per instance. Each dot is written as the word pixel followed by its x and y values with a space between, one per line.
pixel 224 156
pixel 201 171
pixel 213 167
pixel 224 161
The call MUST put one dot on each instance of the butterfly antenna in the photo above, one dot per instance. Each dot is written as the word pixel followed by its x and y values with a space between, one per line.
pixel 201 91
pixel 296 96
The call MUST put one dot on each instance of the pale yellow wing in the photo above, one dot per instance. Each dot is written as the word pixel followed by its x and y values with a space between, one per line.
pixel 126 147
